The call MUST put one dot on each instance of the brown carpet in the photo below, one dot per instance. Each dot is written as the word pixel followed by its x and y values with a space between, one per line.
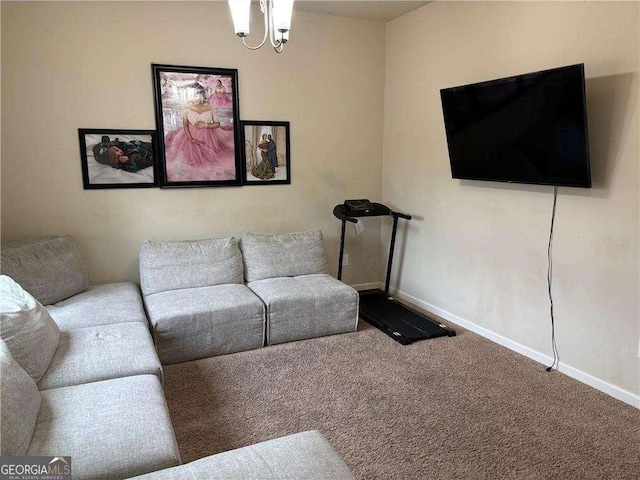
pixel 447 408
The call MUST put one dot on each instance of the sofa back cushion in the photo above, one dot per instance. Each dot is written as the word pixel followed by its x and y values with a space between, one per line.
pixel 27 329
pixel 19 407
pixel 187 264
pixel 283 254
pixel 49 268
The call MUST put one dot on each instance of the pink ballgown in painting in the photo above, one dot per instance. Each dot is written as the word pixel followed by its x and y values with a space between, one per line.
pixel 213 158
pixel 221 98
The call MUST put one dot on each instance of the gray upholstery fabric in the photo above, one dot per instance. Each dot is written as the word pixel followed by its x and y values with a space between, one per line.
pixel 306 306
pixel 111 429
pixel 49 268
pixel 19 405
pixel 27 328
pixel 199 263
pixel 102 352
pixel 306 455
pixel 202 322
pixel 283 255
pixel 100 305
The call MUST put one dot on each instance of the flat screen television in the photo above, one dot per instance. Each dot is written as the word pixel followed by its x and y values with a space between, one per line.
pixel 530 128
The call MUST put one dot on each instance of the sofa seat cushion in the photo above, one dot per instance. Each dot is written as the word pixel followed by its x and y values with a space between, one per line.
pixel 306 455
pixel 102 352
pixel 202 322
pixel 27 328
pixel 100 305
pixel 111 429
pixel 306 306
pixel 176 265
pixel 49 268
pixel 283 254
pixel 19 405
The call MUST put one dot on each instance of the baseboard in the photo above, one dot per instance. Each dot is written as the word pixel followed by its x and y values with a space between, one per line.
pixel 605 387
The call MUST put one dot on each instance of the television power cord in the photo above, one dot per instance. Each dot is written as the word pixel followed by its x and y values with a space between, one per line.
pixel 554 347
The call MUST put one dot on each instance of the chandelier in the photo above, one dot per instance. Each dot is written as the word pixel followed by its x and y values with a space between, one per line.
pixel 277 21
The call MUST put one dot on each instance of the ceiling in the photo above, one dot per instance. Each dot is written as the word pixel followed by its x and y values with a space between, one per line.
pixel 377 10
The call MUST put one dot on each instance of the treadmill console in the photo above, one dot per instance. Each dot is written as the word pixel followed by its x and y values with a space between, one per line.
pixel 362 208
pixel 354 207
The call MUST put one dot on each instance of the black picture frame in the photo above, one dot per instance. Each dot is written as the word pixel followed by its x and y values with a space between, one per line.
pixel 214 158
pixel 258 169
pixel 118 158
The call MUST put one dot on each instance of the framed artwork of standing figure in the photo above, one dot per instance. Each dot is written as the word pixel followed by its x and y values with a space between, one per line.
pixel 197 121
pixel 266 153
pixel 118 158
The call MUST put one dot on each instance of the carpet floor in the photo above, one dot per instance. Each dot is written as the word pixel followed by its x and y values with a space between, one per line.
pixel 447 408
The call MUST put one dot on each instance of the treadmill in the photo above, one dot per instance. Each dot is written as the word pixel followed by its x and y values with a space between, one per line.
pixel 403 324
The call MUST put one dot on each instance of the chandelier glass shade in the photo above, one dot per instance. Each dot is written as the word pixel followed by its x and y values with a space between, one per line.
pixel 277 21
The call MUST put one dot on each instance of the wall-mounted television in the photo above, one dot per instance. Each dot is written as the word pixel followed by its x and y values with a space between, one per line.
pixel 529 128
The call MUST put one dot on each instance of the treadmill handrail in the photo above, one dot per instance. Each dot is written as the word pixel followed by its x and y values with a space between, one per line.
pixel 401 215
pixel 340 213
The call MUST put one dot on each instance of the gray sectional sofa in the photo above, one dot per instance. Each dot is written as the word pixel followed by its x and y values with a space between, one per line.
pixel 289 273
pixel 209 297
pixel 196 299
pixel 300 456
pixel 81 376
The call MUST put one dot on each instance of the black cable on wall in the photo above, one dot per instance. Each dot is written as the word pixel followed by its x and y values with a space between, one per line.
pixel 554 347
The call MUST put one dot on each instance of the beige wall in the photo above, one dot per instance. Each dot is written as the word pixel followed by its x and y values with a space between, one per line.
pixel 79 64
pixel 477 250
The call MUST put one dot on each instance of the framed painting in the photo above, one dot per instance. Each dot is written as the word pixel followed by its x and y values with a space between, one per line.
pixel 118 158
pixel 266 153
pixel 198 128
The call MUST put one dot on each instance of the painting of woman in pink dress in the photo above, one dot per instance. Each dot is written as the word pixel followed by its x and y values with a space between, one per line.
pixel 220 97
pixel 199 127
pixel 200 149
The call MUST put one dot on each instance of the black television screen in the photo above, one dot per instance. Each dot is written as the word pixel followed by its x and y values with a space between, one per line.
pixel 529 128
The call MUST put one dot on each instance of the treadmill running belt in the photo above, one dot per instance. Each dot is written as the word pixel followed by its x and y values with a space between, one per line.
pixel 399 322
